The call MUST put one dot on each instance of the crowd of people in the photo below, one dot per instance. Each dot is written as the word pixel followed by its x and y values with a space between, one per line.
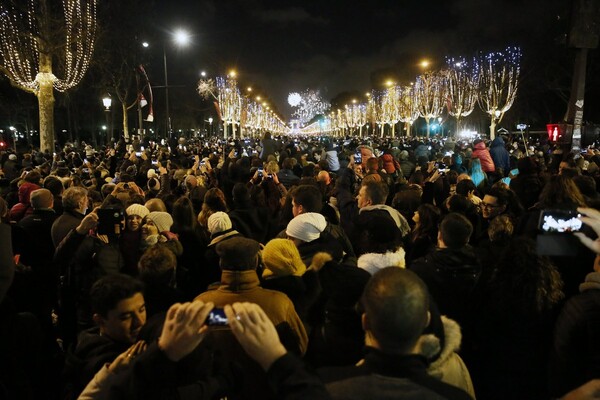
pixel 300 267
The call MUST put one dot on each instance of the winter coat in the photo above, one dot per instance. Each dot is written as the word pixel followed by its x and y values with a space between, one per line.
pixel 388 376
pixel 447 365
pixel 23 207
pixel 288 178
pixel 500 155
pixel 253 222
pixel 243 286
pixel 61 227
pixel 450 276
pixel 92 352
pixel 373 262
pixel 481 152
pixel 575 352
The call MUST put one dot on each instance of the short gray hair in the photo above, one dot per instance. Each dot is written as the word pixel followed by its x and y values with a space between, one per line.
pixel 72 196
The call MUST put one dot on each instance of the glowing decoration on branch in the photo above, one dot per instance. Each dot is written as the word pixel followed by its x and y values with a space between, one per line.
pixel 408 107
pixel 498 83
pixel 207 88
pixel 31 38
pixel 430 90
pixel 294 99
pixel 310 105
pixel 463 80
pixel 390 107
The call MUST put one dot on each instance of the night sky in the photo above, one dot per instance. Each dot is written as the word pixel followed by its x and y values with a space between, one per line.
pixel 333 46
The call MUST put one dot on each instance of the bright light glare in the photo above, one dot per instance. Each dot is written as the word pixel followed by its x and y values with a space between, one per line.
pixel 182 38
pixel 145 44
pixel 294 99
pixel 203 73
pixel 425 63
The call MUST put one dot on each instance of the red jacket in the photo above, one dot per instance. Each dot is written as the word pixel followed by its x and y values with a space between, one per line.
pixel 481 152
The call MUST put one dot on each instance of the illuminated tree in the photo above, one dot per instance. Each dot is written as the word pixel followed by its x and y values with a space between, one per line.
pixel 463 80
pixel 408 107
pixel 32 43
pixel 430 91
pixel 498 83
pixel 390 106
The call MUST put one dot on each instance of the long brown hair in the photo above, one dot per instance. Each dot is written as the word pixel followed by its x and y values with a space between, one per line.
pixel 561 191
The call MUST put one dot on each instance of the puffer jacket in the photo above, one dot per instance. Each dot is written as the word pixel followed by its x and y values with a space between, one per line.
pixel 500 156
pixel 481 152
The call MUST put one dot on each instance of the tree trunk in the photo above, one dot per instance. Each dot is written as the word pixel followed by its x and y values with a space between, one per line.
pixel 125 123
pixel 45 97
pixel 493 129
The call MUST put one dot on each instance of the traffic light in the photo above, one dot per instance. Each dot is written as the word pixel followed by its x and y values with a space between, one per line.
pixel 559 133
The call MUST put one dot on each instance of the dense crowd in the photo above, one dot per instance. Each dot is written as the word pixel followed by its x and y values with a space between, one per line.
pixel 300 267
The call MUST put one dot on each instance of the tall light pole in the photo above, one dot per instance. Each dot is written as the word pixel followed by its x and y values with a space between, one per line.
pixel 107 102
pixel 181 38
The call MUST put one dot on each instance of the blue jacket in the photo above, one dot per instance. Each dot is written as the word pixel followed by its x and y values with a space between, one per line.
pixel 500 155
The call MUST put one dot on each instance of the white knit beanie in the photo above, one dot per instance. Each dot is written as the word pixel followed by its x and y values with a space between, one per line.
pixel 306 227
pixel 219 222
pixel 162 220
pixel 137 209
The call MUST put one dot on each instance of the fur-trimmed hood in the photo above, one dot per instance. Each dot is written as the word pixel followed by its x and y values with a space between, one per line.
pixel 430 345
pixel 373 262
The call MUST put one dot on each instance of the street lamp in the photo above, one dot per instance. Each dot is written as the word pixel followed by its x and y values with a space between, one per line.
pixel 180 38
pixel 210 121
pixel 441 127
pixel 107 102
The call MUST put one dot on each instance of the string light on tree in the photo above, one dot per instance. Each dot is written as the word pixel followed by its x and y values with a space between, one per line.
pixel 430 90
pixel 29 45
pixel 463 80
pixel 498 83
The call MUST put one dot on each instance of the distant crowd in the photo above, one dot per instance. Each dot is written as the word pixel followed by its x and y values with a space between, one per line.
pixel 300 267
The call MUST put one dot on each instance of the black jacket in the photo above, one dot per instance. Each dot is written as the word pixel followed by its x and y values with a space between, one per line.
pixel 385 376
pixel 450 276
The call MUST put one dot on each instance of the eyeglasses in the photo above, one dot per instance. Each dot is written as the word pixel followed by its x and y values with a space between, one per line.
pixel 488 205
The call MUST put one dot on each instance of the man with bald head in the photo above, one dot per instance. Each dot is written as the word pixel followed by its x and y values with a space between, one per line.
pixel 394 311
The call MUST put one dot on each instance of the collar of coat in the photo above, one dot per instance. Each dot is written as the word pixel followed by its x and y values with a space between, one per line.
pixel 238 281
pixel 592 281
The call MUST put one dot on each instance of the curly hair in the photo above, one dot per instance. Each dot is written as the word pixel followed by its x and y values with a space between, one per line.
pixel 533 282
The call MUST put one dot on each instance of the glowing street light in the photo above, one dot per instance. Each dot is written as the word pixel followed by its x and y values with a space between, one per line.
pixel 180 38
pixel 389 83
pixel 203 74
pixel 425 64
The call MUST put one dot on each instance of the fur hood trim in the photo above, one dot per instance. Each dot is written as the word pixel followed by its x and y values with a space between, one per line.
pixel 430 344
pixel 373 262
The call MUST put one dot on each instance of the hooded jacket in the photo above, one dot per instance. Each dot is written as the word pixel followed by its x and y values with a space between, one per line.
pixel 499 154
pixel 480 151
pixel 373 262
pixel 23 207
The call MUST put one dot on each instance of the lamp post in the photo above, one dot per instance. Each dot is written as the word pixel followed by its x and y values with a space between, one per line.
pixel 107 102
pixel 181 38
pixel 441 127
pixel 210 121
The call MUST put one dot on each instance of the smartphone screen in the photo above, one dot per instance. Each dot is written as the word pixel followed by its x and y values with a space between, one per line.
pixel 358 158
pixel 560 221
pixel 217 317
